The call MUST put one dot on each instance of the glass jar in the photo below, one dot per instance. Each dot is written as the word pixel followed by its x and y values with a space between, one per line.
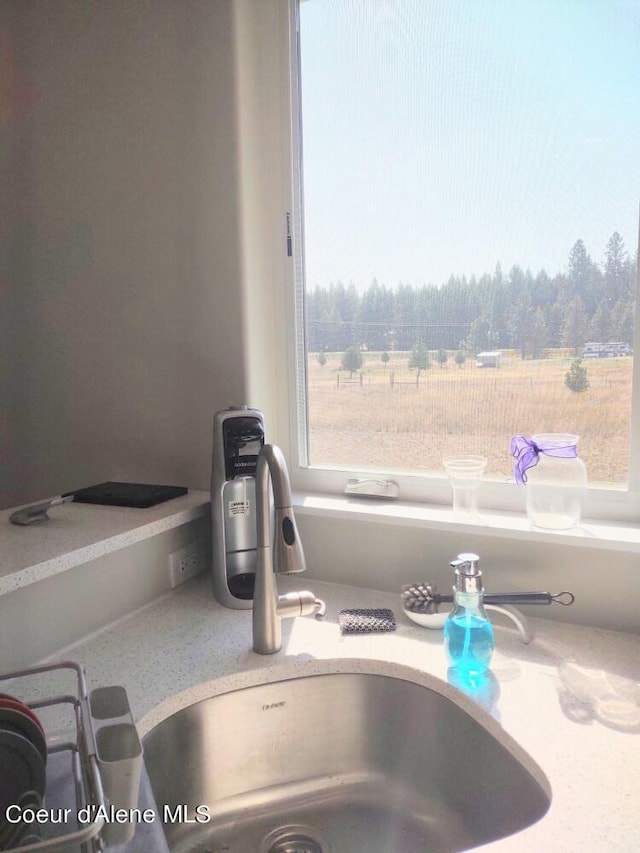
pixel 557 485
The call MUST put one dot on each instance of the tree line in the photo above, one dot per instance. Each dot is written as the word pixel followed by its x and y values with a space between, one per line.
pixel 588 302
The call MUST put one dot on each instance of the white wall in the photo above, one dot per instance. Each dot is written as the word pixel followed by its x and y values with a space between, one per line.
pixel 122 329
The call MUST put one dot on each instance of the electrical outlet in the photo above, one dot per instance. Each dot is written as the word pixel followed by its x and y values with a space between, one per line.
pixel 185 563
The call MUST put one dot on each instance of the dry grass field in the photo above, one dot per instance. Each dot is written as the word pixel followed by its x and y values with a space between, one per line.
pixel 409 425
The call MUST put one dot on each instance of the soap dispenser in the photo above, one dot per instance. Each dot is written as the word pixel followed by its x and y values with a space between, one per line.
pixel 468 633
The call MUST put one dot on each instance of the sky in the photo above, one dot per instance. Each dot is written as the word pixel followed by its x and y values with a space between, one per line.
pixel 441 137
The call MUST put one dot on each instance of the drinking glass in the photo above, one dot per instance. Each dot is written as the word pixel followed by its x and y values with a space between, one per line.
pixel 465 474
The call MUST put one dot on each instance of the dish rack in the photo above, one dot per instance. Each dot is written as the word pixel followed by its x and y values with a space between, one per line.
pixel 86 782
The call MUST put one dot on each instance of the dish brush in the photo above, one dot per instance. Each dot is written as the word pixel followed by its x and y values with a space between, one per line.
pixel 423 598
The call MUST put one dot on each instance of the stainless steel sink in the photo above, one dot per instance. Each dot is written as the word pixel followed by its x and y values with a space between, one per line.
pixel 346 757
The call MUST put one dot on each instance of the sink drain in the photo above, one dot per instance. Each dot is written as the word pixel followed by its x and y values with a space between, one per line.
pixel 294 839
pixel 298 844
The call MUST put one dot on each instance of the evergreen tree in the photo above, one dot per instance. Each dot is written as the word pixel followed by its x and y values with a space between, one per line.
pixel 331 333
pixel 574 327
pixel 599 328
pixel 522 324
pixel 478 337
pixel 622 322
pixel 553 320
pixel 352 360
pixel 576 379
pixel 404 316
pixel 584 277
pixel 539 334
pixel 629 279
pixel 442 357
pixel 614 270
pixel 344 313
pixel 460 357
pixel 376 315
pixel 419 359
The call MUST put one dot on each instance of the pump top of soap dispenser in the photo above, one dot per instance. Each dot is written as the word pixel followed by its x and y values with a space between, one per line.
pixel 467 572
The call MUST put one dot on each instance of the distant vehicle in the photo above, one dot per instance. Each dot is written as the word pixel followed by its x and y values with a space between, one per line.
pixel 489 359
pixel 608 350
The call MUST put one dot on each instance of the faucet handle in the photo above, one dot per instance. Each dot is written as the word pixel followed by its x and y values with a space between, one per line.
pixel 301 603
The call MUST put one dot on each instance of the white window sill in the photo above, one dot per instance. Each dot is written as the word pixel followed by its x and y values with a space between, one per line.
pixel 608 536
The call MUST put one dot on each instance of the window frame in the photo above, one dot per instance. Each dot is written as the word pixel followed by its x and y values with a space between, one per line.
pixel 427 488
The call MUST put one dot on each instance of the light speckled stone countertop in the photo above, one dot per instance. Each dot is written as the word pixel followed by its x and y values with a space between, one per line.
pixel 571 698
pixel 78 533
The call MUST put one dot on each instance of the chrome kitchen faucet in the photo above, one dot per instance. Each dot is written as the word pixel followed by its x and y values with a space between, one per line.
pixel 283 555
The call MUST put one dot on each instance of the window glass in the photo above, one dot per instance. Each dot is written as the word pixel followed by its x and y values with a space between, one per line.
pixel 471 185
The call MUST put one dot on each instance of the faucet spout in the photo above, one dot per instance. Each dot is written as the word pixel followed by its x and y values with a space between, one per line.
pixel 283 554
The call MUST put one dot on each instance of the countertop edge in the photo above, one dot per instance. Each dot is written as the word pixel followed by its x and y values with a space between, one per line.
pixel 197 507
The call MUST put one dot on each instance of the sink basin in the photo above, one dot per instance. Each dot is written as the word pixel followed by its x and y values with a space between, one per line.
pixel 340 756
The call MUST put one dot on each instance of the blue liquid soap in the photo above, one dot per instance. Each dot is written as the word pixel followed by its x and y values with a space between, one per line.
pixel 468 639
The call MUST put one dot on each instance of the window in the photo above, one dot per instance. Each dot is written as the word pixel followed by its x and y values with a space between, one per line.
pixel 469 188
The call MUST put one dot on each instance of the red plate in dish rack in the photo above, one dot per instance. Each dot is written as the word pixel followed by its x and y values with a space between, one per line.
pixel 7 701
pixel 12 720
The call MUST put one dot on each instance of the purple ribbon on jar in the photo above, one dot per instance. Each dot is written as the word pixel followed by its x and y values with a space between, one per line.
pixel 526 453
